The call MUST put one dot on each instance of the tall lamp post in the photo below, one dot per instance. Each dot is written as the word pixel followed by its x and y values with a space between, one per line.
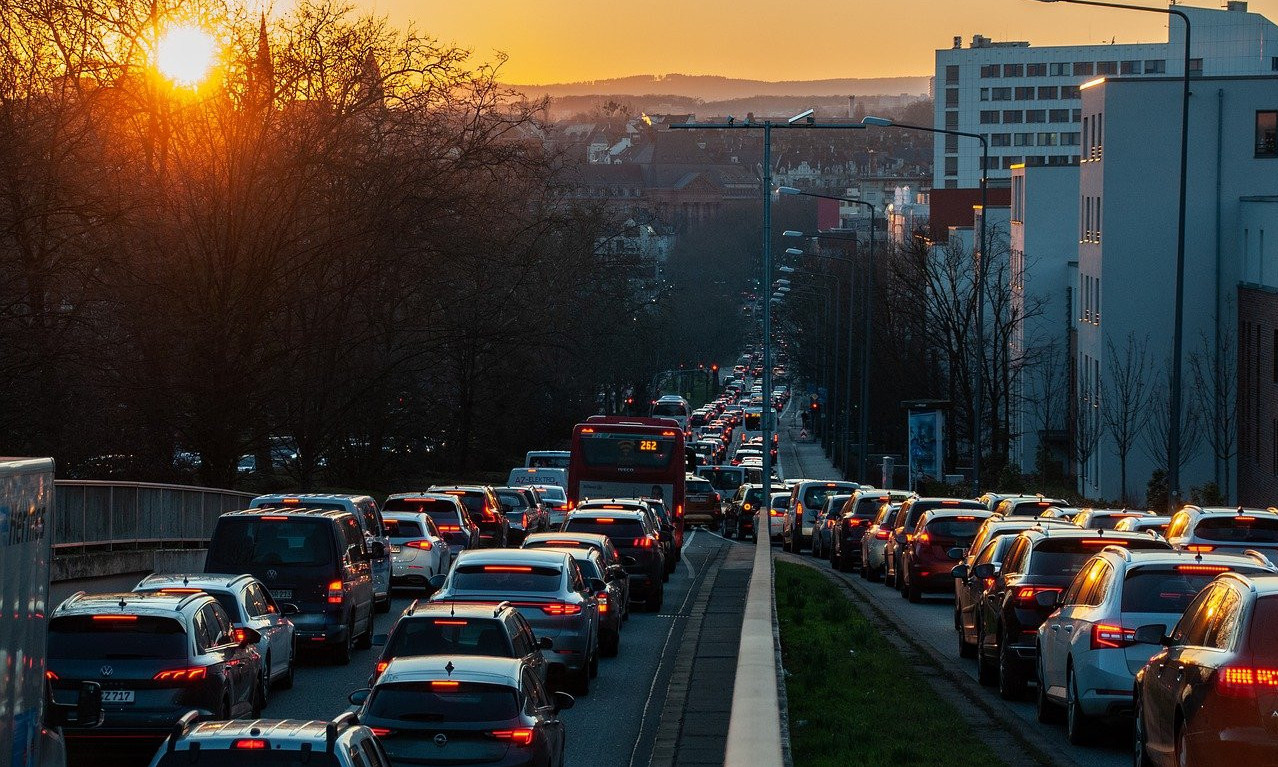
pixel 804 120
pixel 868 317
pixel 980 282
pixel 1174 404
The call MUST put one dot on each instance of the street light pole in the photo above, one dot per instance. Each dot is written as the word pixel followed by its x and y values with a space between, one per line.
pixel 981 265
pixel 1174 404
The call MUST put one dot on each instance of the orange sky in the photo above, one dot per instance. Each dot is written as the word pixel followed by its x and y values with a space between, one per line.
pixel 570 40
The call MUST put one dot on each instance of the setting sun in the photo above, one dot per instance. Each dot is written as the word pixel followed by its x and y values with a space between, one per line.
pixel 185 55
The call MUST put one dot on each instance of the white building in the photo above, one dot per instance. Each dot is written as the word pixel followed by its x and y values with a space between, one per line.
pixel 1026 99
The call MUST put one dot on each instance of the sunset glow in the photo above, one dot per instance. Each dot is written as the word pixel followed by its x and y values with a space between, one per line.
pixel 185 55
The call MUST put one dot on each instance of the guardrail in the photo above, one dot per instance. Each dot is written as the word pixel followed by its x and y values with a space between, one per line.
pixel 100 516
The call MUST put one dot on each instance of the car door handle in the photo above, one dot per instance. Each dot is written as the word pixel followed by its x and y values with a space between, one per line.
pixel 1056 627
pixel 1069 629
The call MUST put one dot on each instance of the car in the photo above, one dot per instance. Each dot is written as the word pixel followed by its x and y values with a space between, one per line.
pixel 441 709
pixel 548 589
pixel 342 742
pixel 1156 522
pixel 823 529
pixel 555 499
pixel 524 511
pixel 313 558
pixel 611 599
pixel 156 656
pixel 614 564
pixel 702 504
pixel 743 508
pixel 635 538
pixel 418 548
pixel 1207 695
pixel 1221 529
pixel 776 514
pixel 1039 564
pixel 806 500
pixel 1087 653
pixel 460 628
pixel 366 513
pixel 937 543
pixel 874 542
pixel 854 521
pixel 485 510
pixel 724 479
pixel 902 531
pixel 1106 519
pixel 249 603
pixel 673 548
pixel 658 518
pixel 1027 505
pixel 1061 513
pixel 451 517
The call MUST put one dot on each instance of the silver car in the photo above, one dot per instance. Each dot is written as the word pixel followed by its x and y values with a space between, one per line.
pixel 549 590
pixel 874 542
pixel 418 549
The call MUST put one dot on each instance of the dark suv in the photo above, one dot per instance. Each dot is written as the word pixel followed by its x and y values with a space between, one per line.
pixel 854 519
pixel 630 532
pixel 156 657
pixel 315 559
pixel 525 512
pixel 485 509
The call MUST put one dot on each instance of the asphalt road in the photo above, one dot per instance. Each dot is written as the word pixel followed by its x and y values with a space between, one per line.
pixel 614 726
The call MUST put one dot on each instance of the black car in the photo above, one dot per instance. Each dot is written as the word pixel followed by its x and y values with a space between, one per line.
pixel 156 657
pixel 485 509
pixel 743 510
pixel 524 511
pixel 1024 591
pixel 629 531
pixel 854 519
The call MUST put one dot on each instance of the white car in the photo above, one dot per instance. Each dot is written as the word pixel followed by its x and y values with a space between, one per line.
pixel 776 514
pixel 1087 649
pixel 418 551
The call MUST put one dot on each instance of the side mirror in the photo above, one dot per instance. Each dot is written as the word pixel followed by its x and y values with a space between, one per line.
pixel 1048 599
pixel 956 553
pixel 358 697
pixel 1152 634
pixel 564 701
pixel 629 561
pixel 984 570
pixel 597 585
pixel 288 608
pixel 87 711
pixel 616 572
pixel 437 581
pixel 381 639
pixel 960 572
pixel 245 636
pixel 546 643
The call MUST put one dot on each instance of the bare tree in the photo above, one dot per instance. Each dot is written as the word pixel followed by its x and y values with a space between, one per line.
pixel 1046 396
pixel 1215 370
pixel 1124 398
pixel 1155 439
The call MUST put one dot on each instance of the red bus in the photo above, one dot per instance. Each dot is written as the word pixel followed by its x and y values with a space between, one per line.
pixel 629 457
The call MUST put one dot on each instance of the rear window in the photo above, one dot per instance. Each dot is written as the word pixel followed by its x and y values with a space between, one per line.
pixel 616 529
pixel 449 636
pixel 116 637
pixel 223 757
pixel 867 507
pixel 506 578
pixel 1242 528
pixel 443 512
pixel 1031 508
pixel 514 499
pixel 962 531
pixel 698 486
pixel 1263 639
pixel 433 702
pixel 1065 556
pixel 403 528
pixel 474 502
pixel 815 496
pixel 918 507
pixel 252 542
pixel 723 480
pixel 1169 589
pixel 669 409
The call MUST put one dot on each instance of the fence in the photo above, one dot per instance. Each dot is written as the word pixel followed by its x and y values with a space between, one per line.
pixel 99 516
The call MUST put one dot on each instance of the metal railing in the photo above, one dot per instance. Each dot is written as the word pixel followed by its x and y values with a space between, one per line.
pixel 94 515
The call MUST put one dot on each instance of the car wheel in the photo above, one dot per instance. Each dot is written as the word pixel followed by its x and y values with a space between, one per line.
pixel 865 571
pixel 258 699
pixel 581 681
pixel 342 650
pixel 594 664
pixel 1183 756
pixel 986 672
pixel 965 649
pixel 365 640
pixel 610 645
pixel 902 580
pixel 266 683
pixel 654 605
pixel 286 681
pixel 913 592
pixel 383 605
pixel 1140 754
pixel 1011 684
pixel 1045 711
pixel 1078 726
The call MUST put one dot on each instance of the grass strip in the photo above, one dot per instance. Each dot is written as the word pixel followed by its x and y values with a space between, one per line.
pixel 854 699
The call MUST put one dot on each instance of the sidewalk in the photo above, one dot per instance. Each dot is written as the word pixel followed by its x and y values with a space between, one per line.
pixel 803 460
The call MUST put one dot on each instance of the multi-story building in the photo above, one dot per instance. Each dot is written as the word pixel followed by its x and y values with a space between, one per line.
pixel 1026 100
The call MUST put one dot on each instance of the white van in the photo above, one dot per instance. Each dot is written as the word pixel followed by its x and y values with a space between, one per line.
pixel 551 459
pixel 672 406
pixel 523 476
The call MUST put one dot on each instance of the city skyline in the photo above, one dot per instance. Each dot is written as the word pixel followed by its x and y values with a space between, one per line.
pixel 551 42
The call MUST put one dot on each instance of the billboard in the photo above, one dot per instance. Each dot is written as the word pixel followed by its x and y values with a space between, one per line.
pixel 927 440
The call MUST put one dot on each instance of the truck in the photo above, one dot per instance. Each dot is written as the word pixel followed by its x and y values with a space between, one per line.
pixel 29 721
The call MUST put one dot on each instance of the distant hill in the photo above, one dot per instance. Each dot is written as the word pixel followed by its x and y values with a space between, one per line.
pixel 714 88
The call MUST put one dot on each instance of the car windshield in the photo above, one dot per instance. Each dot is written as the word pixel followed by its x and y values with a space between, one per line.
pixel 249 542
pixel 443 701
pixel 223 757
pixel 513 577
pixel 815 496
pixel 449 636
pixel 1169 589
pixel 1065 556
pixel 116 637
pixel 1241 528
pixel 402 528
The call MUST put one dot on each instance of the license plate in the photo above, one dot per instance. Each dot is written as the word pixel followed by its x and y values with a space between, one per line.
pixel 282 593
pixel 396 549
pixel 117 696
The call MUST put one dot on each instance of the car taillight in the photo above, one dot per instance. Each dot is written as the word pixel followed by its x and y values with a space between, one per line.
pixel 52 677
pixel 190 674
pixel 718 498
pixel 335 594
pixel 602 597
pixel 450 528
pixel 1245 681
pixel 642 543
pixel 855 522
pixel 523 519
pixel 746 506
pixel 559 608
pixel 381 666
pixel 249 744
pixel 520 737
pixel 1107 636
pixel 923 538
pixel 423 544
pixel 777 513
pixel 1201 548
pixel 381 732
pixel 1027 596
pixel 881 534
pixel 798 510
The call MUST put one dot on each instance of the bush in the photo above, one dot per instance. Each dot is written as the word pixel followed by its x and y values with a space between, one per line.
pixel 1156 493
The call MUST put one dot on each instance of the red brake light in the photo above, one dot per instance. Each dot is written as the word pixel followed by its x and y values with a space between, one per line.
pixel 923 537
pixel 605 520
pixel 448 622
pixel 380 732
pixel 521 737
pixel 251 744
pixel 881 534
pixel 949 503
pixel 290 501
pixel 274 518
pixel 191 674
pixel 587 430
pixel 746 506
pixel 1200 547
pixel 1244 681
pixel 965 519
pixel 335 594
pixel 559 608
pixel 239 634
pixel 1107 636
pixel 1026 596
pixel 381 665
pixel 115 618
pixel 602 597
pixel 507 569
pixel 423 544
pixel 449 528
pixel 1202 569
pixel 180 591
pixel 642 543
pixel 444 685
pixel 52 677
pixel 1100 542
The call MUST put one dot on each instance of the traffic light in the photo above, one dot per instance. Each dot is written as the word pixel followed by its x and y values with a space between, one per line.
pixel 816 407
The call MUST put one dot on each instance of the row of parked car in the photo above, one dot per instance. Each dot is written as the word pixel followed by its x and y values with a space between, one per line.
pixel 486 663
pixel 1108 616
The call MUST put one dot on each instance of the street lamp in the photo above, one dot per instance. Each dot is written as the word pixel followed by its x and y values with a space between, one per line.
pixel 883 122
pixel 786 269
pixel 1173 430
pixel 868 316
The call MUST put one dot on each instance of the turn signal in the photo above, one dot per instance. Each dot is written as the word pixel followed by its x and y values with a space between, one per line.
pixel 423 544
pixel 335 593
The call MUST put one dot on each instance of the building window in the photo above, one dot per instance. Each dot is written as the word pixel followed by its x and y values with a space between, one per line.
pixel 1083 69
pixel 1273 63
pixel 1035 161
pixel 1040 70
pixel 1069 139
pixel 1098 237
pixel 951 120
pixel 1195 67
pixel 1046 92
pixel 1035 115
pixel 1058 116
pixel 1059 69
pixel 951 74
pixel 1023 139
pixel 989 117
pixel 1107 67
pixel 1274 446
pixel 951 143
pixel 985 94
pixel 1267 133
pixel 1009 161
pixel 951 97
pixel 1000 94
pixel 1013 116
pixel 1000 139
pixel 1158 66
pixel 951 166
pixel 1275 357
pixel 1075 115
pixel 1025 93
pixel 1062 159
pixel 990 70
pixel 1070 92
pixel 1047 139
pixel 1129 68
pixel 1013 70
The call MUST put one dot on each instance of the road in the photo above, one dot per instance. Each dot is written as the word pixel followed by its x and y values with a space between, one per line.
pixel 615 726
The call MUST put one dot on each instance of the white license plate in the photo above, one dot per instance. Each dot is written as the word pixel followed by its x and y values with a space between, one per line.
pixel 117 696
pixel 396 549
pixel 282 593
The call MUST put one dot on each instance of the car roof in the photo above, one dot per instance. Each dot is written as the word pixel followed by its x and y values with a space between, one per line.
pixel 946 511
pixel 315 496
pixel 1053 532
pixel 464 668
pixel 597 513
pixel 276 511
pixel 443 489
pixel 422 608
pixel 1265 585
pixel 1222 511
pixel 1139 557
pixel 594 538
pixel 129 603
pixel 547 557
pixel 201 581
pixel 425 494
